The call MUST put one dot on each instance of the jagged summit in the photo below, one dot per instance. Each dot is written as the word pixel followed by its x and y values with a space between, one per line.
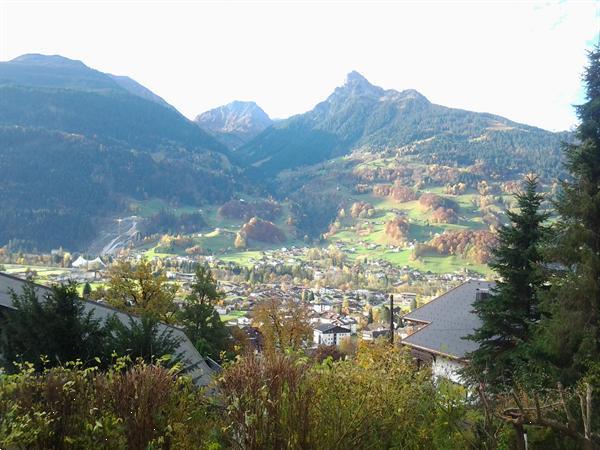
pixel 406 95
pixel 355 78
pixel 235 123
pixel 357 85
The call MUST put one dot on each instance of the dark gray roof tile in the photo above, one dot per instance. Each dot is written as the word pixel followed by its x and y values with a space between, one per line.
pixel 449 319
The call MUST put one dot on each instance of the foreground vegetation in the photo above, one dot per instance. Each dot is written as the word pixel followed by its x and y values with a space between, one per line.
pixel 377 399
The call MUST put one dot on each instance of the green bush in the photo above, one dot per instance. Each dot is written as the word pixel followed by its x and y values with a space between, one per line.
pixel 136 406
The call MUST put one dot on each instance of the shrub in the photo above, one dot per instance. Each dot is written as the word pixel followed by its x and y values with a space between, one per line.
pixel 70 407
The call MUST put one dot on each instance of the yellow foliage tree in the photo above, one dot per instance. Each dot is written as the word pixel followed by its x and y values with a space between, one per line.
pixel 284 324
pixel 138 290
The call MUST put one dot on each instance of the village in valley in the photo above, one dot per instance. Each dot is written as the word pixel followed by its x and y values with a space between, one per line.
pixel 400 251
pixel 342 309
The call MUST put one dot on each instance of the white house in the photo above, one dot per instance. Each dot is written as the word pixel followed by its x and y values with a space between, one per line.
pixel 321 307
pixel 330 334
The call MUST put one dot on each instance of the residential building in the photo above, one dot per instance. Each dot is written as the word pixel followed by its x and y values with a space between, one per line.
pixel 436 331
pixel 330 334
pixel 374 334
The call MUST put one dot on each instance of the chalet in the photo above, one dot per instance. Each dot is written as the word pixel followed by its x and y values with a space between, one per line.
pixel 194 364
pixel 376 333
pixel 436 331
pixel 330 334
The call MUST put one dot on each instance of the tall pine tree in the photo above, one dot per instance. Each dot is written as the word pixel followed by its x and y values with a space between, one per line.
pixel 509 314
pixel 571 335
pixel 199 319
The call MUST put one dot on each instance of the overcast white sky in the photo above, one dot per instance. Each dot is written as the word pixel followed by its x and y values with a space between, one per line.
pixel 519 59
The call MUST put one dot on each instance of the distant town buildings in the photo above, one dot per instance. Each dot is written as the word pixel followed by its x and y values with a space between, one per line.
pixel 329 334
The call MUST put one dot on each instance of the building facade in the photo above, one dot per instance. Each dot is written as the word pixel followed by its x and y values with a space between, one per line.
pixel 330 334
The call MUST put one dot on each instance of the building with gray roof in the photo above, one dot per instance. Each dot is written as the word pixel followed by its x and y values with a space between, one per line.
pixel 194 364
pixel 437 330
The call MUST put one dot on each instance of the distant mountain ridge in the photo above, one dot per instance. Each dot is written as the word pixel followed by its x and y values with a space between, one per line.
pixel 77 143
pixel 234 124
pixel 360 115
pixel 63 94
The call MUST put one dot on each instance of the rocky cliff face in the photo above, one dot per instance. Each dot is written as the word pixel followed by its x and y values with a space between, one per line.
pixel 235 123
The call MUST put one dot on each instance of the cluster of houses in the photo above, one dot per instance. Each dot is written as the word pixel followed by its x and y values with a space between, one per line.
pixel 434 332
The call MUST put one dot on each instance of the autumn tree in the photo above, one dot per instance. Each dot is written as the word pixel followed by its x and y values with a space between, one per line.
pixel 240 241
pixel 137 289
pixel 283 323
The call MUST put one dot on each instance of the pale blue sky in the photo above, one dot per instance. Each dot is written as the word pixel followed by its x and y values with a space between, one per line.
pixel 519 59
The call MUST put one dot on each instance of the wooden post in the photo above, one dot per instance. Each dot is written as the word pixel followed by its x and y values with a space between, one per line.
pixel 392 319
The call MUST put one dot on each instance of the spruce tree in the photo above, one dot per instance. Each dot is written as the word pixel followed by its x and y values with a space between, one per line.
pixel 52 326
pixel 87 290
pixel 571 335
pixel 510 312
pixel 199 319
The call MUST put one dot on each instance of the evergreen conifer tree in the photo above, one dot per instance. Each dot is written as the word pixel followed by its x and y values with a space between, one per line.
pixel 87 290
pixel 55 327
pixel 571 335
pixel 201 322
pixel 508 315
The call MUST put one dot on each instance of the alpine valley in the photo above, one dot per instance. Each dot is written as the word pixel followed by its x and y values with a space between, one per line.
pixel 377 173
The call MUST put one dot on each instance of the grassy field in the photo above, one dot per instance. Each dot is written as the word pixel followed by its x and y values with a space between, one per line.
pixel 43 273
pixel 358 235
pixel 233 315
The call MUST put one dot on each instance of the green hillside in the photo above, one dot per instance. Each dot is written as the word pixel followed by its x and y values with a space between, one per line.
pixel 76 143
pixel 359 115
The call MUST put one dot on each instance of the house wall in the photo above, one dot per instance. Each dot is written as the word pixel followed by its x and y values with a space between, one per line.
pixel 447 368
pixel 339 337
pixel 320 338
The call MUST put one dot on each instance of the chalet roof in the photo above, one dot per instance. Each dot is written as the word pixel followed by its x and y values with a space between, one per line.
pixel 449 318
pixel 200 372
pixel 329 328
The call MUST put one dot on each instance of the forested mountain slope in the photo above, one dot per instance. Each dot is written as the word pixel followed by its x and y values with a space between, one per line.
pixel 361 115
pixel 74 143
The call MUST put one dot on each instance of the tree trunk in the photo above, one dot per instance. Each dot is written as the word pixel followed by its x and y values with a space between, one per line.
pixel 520 437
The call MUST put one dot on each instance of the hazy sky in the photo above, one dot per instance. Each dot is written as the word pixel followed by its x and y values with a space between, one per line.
pixel 519 59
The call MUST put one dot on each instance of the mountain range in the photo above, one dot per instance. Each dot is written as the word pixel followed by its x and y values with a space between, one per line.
pixel 361 115
pixel 79 144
